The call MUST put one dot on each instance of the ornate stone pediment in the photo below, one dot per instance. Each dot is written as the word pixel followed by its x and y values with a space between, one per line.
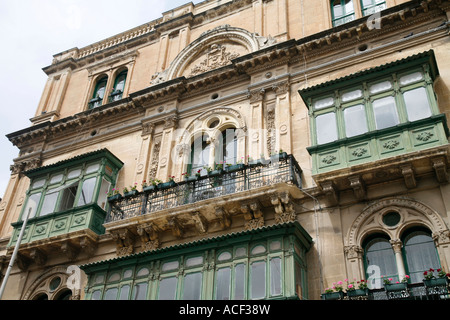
pixel 216 56
pixel 213 49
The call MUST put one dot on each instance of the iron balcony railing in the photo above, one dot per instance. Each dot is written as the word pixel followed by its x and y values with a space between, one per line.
pixel 233 179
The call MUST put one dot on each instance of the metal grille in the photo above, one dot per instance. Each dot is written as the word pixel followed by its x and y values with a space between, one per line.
pixel 231 180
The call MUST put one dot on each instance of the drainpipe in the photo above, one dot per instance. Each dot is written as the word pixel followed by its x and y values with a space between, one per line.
pixel 14 255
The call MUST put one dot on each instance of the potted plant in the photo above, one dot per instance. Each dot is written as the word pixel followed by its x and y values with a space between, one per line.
pixel 217 171
pixel 166 185
pixel 149 187
pixel 239 166
pixel 187 177
pixel 277 156
pixel 397 290
pixel 131 191
pixel 114 195
pixel 334 293
pixel 359 290
pixel 430 280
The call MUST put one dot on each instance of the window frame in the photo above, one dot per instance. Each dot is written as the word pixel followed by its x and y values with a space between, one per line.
pixel 366 10
pixel 336 20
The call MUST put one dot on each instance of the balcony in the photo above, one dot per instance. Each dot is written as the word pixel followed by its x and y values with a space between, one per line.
pixel 206 201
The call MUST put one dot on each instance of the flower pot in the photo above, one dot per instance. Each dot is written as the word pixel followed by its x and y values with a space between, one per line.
pixel 235 167
pixel 166 185
pixel 114 197
pixel 255 163
pixel 215 173
pixel 150 188
pixel 278 157
pixel 396 286
pixel 436 282
pixel 130 193
pixel 190 178
pixel 333 296
pixel 357 293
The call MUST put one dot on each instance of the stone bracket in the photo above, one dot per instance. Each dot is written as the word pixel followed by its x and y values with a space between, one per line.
pixel 409 176
pixel 440 168
pixel 149 234
pixel 331 192
pixel 284 207
pixel 124 241
pixel 253 215
pixel 358 186
pixel 224 218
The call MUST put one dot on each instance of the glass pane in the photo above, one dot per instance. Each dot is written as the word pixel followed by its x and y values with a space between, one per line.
pixel 258 249
pixel 93 168
pixel 240 252
pixel 337 9
pixel 223 284
pixel 32 204
pixel 172 265
pixel 326 128
pixel 68 197
pixel 228 147
pixel 275 245
pixel 275 276
pixel 124 292
pixel 379 254
pixel 224 256
pixel 111 294
pixel 167 288
pixel 103 194
pixel 120 82
pixel 140 291
pixel 239 282
pixel 194 261
pixel 410 78
pixel 352 95
pixel 99 279
pixel 348 6
pixel 417 104
pixel 323 103
pixel 96 295
pixel 258 280
pixel 421 255
pixel 355 121
pixel 380 87
pixel 367 3
pixel 38 183
pixel 74 173
pixel 143 272
pixel 114 277
pixel 127 273
pixel 49 203
pixel 200 155
pixel 192 288
pixel 87 191
pixel 56 178
pixel 385 112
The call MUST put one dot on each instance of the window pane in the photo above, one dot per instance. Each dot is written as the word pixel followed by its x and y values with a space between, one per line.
pixel 74 173
pixel 56 178
pixel 49 203
pixel 385 112
pixel 380 87
pixel 323 103
pixel 194 261
pixel 417 104
pixel 223 284
pixel 352 95
pixel 32 204
pixel 172 265
pixel 275 276
pixel 200 155
pixel 239 282
pixel 96 295
pixel 326 128
pixel 410 78
pixel 140 291
pixel 124 292
pixel 192 288
pixel 38 183
pixel 103 194
pixel 87 191
pixel 379 254
pixel 355 121
pixel 111 294
pixel 258 280
pixel 167 288
pixel 68 197
pixel 421 255
pixel 228 147
pixel 338 9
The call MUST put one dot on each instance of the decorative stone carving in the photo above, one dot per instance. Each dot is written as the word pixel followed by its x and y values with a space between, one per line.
pixel 256 95
pixel 70 250
pixel 149 234
pixel 155 159
pixel 224 218
pixel 216 56
pixel 200 222
pixel 38 257
pixel 353 252
pixel 358 187
pixel 408 174
pixel 440 169
pixel 124 241
pixel 88 246
pixel 284 208
pixel 176 227
pixel 253 215
pixel 330 191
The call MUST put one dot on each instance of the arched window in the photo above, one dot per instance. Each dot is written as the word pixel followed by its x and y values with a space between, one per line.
pixel 99 93
pixel 379 260
pixel 200 151
pixel 119 86
pixel 419 253
pixel 227 152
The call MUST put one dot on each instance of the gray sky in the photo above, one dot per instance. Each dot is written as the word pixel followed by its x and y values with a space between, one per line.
pixel 32 31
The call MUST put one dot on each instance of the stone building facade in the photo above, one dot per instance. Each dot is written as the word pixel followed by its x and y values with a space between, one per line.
pixel 276 147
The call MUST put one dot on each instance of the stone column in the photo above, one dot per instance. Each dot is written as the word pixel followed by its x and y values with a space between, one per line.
pixel 397 245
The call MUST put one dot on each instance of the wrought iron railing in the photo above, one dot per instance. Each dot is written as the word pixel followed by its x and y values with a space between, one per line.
pixel 416 291
pixel 283 168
